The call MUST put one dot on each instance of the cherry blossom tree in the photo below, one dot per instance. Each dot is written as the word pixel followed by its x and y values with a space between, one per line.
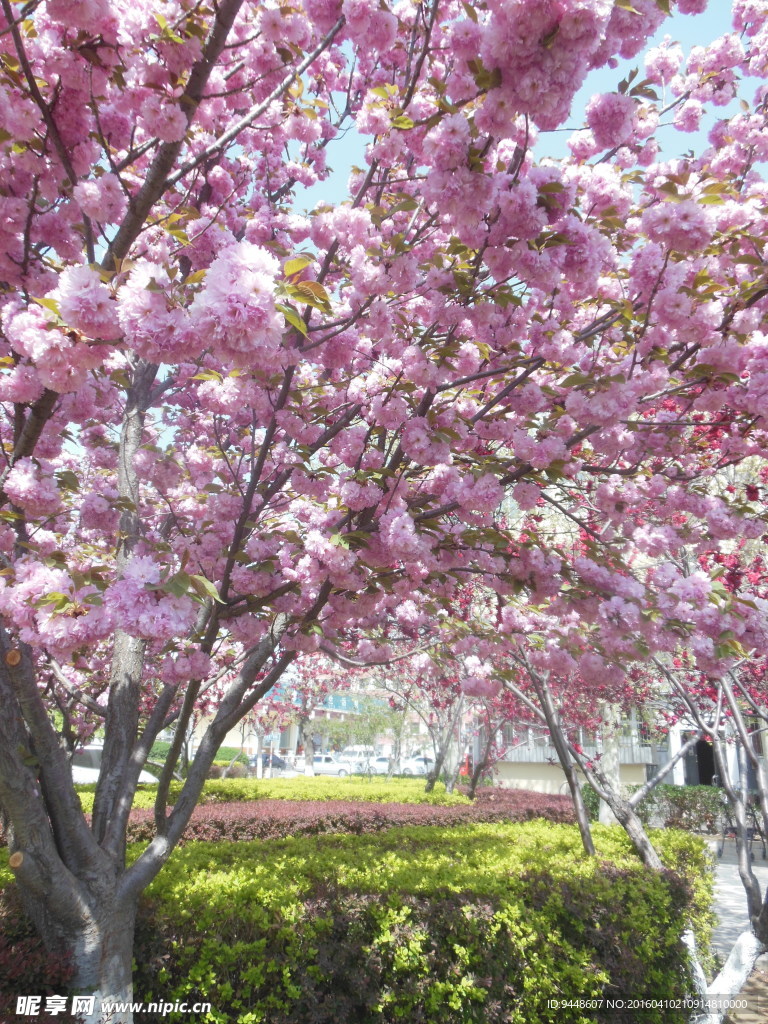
pixel 234 432
pixel 492 714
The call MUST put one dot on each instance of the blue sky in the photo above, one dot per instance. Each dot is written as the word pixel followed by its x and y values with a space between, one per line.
pixel 688 30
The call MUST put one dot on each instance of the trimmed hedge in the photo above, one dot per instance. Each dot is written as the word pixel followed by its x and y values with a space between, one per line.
pixel 239 809
pixel 481 923
pixel 692 808
pixel 319 787
pixel 273 819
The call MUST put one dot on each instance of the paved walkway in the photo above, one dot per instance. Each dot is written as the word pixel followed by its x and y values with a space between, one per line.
pixel 730 907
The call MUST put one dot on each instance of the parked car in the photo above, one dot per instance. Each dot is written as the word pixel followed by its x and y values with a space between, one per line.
pixel 86 765
pixel 327 764
pixel 418 766
pixel 375 765
pixel 279 765
pixel 357 754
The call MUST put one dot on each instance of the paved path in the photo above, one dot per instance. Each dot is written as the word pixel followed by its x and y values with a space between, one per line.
pixel 730 907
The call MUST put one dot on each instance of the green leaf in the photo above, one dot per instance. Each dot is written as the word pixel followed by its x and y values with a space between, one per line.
pixel 296 265
pixel 58 601
pixel 470 11
pixel 312 291
pixel 68 480
pixel 547 41
pixel 204 588
pixel 293 318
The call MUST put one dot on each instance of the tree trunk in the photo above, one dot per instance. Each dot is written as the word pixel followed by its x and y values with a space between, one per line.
pixel 610 762
pixel 560 741
pixel 434 775
pixel 104 966
pixel 475 777
pixel 101 947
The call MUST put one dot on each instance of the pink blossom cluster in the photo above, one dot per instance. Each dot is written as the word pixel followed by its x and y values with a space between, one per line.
pixel 191 664
pixel 30 601
pixel 684 227
pixel 537 43
pixel 102 199
pixel 143 608
pixel 611 116
pixel 86 304
pixel 235 309
pixel 477 686
pixel 153 325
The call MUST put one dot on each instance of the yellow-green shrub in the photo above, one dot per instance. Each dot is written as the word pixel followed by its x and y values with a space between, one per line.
pixel 481 923
pixel 407 790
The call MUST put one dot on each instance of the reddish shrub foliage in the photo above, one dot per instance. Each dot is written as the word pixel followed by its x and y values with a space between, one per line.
pixel 276 819
pixel 26 967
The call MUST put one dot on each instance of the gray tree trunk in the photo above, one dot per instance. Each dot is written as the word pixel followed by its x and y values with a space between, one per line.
pixel 610 762
pixel 99 939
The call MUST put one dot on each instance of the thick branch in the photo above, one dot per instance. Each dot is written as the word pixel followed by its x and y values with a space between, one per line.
pixel 119 776
pixel 39 414
pixel 46 824
pixel 255 112
pixel 157 180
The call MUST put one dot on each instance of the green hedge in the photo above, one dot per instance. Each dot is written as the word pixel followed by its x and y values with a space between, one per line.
pixel 691 808
pixel 482 923
pixel 319 787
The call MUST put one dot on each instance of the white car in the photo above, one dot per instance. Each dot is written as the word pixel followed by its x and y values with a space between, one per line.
pixel 86 764
pixel 357 755
pixel 418 766
pixel 327 764
pixel 376 766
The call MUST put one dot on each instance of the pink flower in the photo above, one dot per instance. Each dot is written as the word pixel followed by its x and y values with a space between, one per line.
pixel 663 62
pixel 688 116
pixel 323 13
pixel 684 227
pixel 20 384
pixel 86 304
pixel 447 145
pixel 235 311
pixel 163 118
pixel 31 489
pixel 398 532
pixel 476 686
pixel 611 117
pixel 101 199
pixel 92 16
pixel 152 325
pixel 526 495
pixel 484 495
